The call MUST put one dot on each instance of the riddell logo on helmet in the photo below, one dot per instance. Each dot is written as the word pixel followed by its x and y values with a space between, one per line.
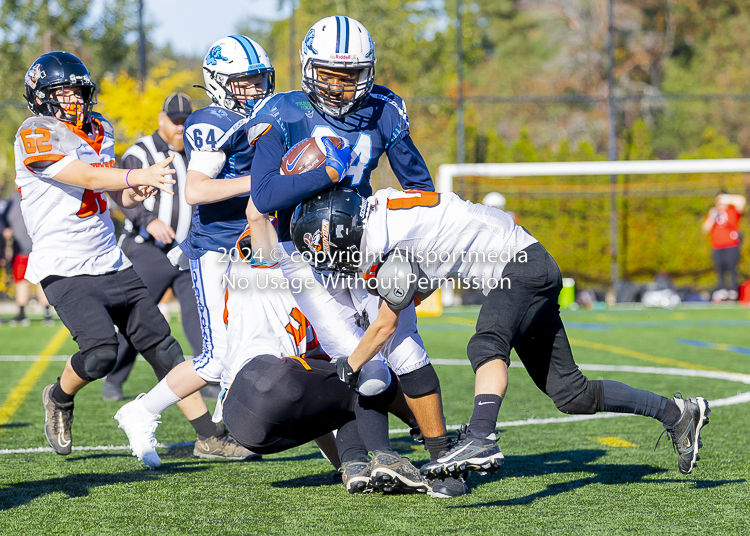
pixel 343 57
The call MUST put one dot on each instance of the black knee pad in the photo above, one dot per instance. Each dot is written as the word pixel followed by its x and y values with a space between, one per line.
pixel 481 350
pixel 164 356
pixel 381 400
pixel 588 401
pixel 420 382
pixel 95 363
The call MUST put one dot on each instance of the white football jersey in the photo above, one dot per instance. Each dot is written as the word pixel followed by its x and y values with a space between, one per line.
pixel 70 226
pixel 447 236
pixel 262 318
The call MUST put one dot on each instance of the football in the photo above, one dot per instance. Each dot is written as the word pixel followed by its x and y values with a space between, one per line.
pixel 307 155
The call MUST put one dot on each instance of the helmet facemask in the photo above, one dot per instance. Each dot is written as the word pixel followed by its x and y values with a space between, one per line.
pixel 53 101
pixel 241 91
pixel 337 99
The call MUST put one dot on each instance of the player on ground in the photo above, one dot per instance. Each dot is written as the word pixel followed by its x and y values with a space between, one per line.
pixel 237 73
pixel 64 160
pixel 278 396
pixel 339 98
pixel 408 240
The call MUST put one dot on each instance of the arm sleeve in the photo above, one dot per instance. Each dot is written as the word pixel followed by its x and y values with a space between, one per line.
pixel 409 166
pixel 139 215
pixel 273 191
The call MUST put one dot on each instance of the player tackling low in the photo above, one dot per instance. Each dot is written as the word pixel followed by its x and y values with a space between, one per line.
pixel 405 241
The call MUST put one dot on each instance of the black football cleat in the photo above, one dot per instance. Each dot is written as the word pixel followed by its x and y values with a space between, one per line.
pixel 468 453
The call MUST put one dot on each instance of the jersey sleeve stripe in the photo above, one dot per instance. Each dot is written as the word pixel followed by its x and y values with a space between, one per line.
pixel 43 157
pixel 252 142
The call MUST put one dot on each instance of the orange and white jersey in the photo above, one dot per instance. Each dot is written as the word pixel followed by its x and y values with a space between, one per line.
pixel 447 236
pixel 70 226
pixel 262 318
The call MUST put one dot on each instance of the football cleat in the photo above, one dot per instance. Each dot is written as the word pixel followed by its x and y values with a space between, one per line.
pixel 222 445
pixel 468 453
pixel 447 488
pixel 139 424
pixel 57 423
pixel 390 473
pixel 356 476
pixel 685 435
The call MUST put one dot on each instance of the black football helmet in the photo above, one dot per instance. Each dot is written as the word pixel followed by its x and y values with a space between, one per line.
pixel 327 229
pixel 58 70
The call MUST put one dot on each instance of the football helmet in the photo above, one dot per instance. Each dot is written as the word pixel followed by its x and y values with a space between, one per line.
pixel 337 43
pixel 55 71
pixel 327 229
pixel 230 60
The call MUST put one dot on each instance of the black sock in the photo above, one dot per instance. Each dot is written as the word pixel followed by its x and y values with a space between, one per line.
pixel 372 424
pixel 349 444
pixel 621 398
pixel 484 417
pixel 21 311
pixel 60 397
pixel 437 446
pixel 47 313
pixel 671 414
pixel 204 426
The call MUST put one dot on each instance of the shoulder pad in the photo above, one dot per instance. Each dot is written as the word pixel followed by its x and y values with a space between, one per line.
pixel 211 128
pixel 40 135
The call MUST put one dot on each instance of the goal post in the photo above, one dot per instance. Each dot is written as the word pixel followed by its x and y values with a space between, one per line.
pixel 448 172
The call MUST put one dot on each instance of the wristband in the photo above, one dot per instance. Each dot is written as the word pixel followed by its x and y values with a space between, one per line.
pixel 126 179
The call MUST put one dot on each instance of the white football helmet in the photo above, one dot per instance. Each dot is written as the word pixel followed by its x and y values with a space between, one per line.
pixel 231 59
pixel 337 43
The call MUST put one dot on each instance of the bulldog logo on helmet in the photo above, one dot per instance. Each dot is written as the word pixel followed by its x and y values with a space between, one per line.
pixel 35 74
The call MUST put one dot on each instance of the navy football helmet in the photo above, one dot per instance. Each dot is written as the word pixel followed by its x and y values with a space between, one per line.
pixel 56 71
pixel 327 229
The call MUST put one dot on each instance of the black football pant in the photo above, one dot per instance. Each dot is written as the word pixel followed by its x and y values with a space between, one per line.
pixel 277 404
pixel 158 274
pixel 526 316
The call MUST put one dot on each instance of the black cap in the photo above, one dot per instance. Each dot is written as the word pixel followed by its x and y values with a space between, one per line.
pixel 178 106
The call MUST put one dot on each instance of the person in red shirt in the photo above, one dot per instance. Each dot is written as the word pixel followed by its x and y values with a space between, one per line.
pixel 723 225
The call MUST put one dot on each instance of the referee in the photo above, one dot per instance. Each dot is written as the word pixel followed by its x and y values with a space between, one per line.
pixel 156 226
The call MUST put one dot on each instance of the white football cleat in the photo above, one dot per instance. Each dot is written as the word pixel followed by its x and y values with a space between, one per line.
pixel 139 425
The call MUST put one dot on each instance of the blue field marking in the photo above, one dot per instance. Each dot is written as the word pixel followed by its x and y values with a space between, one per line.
pixel 588 326
pixel 715 346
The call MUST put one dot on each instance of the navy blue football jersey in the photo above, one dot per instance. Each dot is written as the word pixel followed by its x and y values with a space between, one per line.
pixel 218 225
pixel 380 126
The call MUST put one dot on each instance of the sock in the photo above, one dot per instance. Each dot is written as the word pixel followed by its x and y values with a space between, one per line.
pixel 60 397
pixel 159 398
pixel 372 425
pixel 671 415
pixel 621 398
pixel 437 446
pixel 484 417
pixel 47 313
pixel 21 311
pixel 349 444
pixel 204 426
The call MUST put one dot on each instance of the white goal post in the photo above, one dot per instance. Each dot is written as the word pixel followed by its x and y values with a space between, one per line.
pixel 447 172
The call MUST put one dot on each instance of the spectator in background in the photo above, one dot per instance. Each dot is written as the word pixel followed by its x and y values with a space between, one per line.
pixel 497 200
pixel 723 225
pixel 156 226
pixel 15 231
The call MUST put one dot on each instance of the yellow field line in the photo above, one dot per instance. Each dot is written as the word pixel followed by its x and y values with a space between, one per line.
pixel 639 355
pixel 19 393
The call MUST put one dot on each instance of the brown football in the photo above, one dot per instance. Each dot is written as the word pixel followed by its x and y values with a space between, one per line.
pixel 307 155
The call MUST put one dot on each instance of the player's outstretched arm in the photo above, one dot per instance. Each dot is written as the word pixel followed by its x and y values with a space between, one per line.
pixel 201 189
pixel 79 173
pixel 375 337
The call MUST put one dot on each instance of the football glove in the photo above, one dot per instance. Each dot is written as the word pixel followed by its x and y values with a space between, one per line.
pixel 346 374
pixel 338 159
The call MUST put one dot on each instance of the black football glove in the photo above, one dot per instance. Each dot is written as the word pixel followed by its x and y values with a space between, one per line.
pixel 346 374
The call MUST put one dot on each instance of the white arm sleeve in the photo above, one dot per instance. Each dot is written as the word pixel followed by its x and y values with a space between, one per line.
pixel 207 162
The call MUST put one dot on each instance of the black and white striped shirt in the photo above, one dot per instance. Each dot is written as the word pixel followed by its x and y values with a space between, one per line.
pixel 172 210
